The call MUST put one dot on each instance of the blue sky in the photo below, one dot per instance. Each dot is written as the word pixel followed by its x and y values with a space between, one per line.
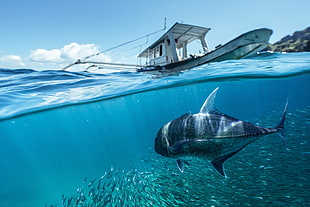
pixel 45 34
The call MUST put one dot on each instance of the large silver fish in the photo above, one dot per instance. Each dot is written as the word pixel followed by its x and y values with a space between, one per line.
pixel 209 135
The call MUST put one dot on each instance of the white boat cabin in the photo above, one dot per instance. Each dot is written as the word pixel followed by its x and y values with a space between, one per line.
pixel 173 45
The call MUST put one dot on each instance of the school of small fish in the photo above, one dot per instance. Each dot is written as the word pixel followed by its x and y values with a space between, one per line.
pixel 273 177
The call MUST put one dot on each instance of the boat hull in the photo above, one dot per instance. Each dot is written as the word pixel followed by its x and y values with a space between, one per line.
pixel 243 46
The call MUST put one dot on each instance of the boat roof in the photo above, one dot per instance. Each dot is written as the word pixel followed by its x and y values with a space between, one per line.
pixel 182 33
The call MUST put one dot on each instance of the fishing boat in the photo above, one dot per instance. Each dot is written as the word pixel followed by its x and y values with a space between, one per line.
pixel 170 51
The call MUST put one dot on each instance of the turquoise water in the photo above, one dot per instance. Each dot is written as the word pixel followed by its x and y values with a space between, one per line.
pixel 78 139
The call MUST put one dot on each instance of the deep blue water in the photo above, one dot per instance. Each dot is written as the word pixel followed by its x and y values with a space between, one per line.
pixel 61 131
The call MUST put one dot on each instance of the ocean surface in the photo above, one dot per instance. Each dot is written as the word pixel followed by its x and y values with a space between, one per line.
pixel 85 139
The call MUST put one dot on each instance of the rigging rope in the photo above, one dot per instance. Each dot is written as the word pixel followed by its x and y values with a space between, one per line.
pixel 79 61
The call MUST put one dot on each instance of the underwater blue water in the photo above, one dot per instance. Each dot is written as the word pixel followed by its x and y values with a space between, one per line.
pixel 60 129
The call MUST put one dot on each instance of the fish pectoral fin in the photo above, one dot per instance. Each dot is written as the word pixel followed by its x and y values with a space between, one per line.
pixel 180 164
pixel 218 163
pixel 176 148
pixel 179 146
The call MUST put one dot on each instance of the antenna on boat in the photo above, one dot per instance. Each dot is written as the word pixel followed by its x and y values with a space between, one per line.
pixel 82 60
pixel 165 25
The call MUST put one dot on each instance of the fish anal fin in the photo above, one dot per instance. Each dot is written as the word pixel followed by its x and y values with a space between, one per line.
pixel 218 166
pixel 218 163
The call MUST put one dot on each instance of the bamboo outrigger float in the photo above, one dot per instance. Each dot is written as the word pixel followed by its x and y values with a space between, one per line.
pixel 170 52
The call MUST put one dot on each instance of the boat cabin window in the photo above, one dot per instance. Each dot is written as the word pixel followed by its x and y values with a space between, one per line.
pixel 156 52
pixel 160 50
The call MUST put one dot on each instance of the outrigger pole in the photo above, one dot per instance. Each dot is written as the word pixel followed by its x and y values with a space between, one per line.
pixel 107 63
pixel 83 60
pixel 102 63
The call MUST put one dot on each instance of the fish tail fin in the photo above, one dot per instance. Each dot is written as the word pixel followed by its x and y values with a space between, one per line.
pixel 280 126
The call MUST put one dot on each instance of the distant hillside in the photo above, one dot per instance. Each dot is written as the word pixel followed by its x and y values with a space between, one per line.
pixel 298 42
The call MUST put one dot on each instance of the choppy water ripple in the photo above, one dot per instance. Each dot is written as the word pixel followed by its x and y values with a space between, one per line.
pixel 262 174
pixel 24 90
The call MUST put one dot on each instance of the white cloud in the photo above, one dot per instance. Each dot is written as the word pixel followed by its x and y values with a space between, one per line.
pixel 75 51
pixel 43 55
pixel 42 59
pixel 70 52
pixel 8 61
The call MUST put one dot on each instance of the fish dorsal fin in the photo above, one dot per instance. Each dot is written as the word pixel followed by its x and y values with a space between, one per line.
pixel 208 105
